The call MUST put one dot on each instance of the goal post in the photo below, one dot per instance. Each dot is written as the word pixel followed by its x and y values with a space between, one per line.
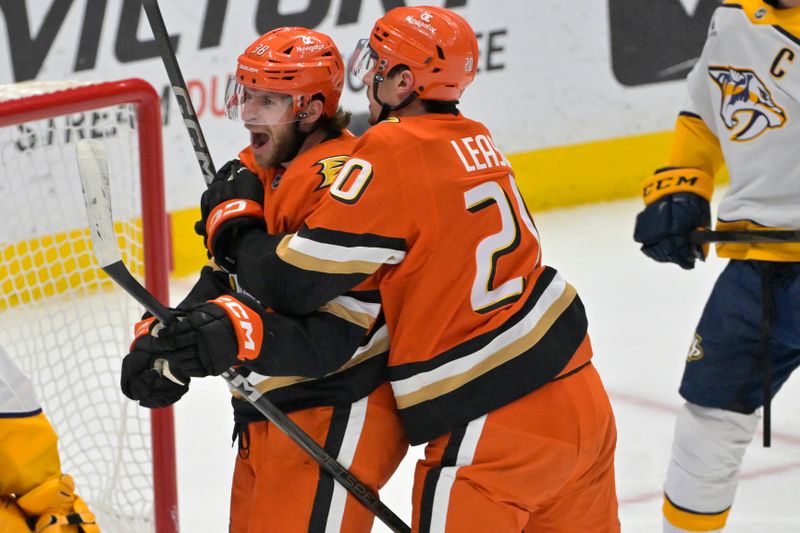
pixel 61 318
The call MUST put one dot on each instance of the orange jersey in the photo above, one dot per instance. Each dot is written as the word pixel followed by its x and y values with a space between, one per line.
pixel 290 195
pixel 430 207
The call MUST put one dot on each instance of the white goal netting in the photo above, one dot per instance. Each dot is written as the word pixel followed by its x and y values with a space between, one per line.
pixel 61 319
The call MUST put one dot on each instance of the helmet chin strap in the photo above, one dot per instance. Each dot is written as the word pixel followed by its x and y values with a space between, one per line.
pixel 386 108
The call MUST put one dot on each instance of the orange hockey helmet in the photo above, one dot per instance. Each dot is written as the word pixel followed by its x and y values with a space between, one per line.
pixel 436 44
pixel 294 61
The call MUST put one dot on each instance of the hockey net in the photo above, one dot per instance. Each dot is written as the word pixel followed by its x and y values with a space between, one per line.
pixel 61 319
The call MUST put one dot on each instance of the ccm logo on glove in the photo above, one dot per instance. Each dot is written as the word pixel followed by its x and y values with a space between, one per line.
pixel 231 209
pixel 247 325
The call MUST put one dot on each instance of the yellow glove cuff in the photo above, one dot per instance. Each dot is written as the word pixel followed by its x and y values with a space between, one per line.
pixel 57 508
pixel 57 494
pixel 674 180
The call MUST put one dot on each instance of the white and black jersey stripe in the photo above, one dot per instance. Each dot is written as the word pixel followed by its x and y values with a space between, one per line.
pixel 315 266
pixel 361 374
pixel 336 252
pixel 526 352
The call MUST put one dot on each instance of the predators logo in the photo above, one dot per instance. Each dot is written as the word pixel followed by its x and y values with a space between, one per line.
pixel 747 108
pixel 696 349
pixel 329 168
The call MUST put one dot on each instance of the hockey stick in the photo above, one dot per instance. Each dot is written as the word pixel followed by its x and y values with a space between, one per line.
pixel 275 415
pixel 762 236
pixel 93 169
pixel 179 89
pixel 327 463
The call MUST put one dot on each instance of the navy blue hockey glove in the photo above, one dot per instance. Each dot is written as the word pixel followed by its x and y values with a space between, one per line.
pixel 214 335
pixel 232 205
pixel 663 227
pixel 142 379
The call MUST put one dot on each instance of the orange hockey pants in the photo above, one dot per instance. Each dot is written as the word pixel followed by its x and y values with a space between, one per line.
pixel 279 488
pixel 541 464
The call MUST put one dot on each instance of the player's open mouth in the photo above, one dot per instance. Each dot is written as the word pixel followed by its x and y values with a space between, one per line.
pixel 258 139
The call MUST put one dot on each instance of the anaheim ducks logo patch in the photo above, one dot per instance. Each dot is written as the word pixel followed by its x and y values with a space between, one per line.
pixel 747 107
pixel 329 168
pixel 696 349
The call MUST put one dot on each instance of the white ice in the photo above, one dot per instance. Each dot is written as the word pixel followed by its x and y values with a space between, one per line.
pixel 641 318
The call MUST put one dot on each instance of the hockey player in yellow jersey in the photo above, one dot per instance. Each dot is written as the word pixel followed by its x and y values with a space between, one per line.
pixel 34 494
pixel 743 111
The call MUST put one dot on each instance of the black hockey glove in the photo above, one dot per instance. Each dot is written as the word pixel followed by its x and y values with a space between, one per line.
pixel 232 204
pixel 209 285
pixel 663 228
pixel 214 336
pixel 142 381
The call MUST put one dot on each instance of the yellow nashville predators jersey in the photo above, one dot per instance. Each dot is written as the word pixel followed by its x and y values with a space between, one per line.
pixel 28 444
pixel 744 109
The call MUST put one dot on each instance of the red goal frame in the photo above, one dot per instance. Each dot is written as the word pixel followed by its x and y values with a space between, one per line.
pixel 154 228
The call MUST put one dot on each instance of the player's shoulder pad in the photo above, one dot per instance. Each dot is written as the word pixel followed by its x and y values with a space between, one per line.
pixel 324 158
pixel 762 12
pixel 385 129
pixel 391 123
pixel 749 6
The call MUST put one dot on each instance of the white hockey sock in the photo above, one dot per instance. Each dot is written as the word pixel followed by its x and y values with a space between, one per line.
pixel 707 453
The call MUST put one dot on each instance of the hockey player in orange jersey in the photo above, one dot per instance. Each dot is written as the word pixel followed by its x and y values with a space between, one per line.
pixel 327 369
pixel 490 362
pixel 34 494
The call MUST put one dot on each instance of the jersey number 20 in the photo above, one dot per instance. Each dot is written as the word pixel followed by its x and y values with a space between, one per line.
pixel 485 296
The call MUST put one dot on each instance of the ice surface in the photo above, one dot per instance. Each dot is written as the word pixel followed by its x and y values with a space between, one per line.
pixel 641 318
